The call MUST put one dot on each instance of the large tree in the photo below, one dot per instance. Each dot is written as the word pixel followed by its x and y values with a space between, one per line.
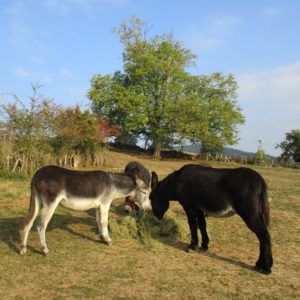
pixel 291 146
pixel 156 98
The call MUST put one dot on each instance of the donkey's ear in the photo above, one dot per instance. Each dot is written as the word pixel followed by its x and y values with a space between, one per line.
pixel 154 180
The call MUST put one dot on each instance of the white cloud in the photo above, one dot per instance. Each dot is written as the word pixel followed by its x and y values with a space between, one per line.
pixel 33 76
pixel 37 60
pixel 45 78
pixel 278 87
pixel 226 23
pixel 270 100
pixel 202 43
pixel 17 9
pixel 272 12
pixel 22 34
pixel 21 72
pixel 66 72
pixel 214 35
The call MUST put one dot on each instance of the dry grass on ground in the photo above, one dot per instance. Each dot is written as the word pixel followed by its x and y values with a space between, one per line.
pixel 147 260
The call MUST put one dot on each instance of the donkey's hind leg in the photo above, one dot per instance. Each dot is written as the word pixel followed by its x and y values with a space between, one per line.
pixel 34 207
pixel 265 260
pixel 46 214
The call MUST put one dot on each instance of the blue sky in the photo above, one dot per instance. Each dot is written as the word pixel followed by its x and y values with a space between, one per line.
pixel 62 43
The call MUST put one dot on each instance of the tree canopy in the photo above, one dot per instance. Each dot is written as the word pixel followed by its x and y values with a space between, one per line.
pixel 156 98
pixel 291 146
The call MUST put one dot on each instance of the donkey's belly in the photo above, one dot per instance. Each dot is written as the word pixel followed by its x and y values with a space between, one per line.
pixel 80 203
pixel 224 213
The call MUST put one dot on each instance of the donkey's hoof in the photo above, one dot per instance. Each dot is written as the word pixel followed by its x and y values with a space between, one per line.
pixel 203 249
pixel 266 271
pixel 105 239
pixel 23 250
pixel 190 248
pixel 45 251
pixel 262 270
pixel 107 242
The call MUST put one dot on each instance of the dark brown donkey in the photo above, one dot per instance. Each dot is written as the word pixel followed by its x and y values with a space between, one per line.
pixel 217 192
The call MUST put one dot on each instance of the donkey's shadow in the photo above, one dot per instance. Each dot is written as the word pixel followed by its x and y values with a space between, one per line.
pixel 10 228
pixel 177 243
pixel 182 246
pixel 10 233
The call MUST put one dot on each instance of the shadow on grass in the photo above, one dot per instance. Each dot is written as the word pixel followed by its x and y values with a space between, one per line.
pixel 229 260
pixel 9 232
pixel 10 229
pixel 183 246
pixel 166 232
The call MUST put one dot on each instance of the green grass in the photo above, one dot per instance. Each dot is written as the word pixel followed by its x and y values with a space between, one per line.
pixel 4 175
pixel 147 259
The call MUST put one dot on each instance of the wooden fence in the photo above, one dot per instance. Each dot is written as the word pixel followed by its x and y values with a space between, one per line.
pixel 27 164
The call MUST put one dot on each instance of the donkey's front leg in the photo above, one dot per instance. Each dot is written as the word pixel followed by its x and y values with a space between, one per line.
pixel 103 222
pixel 202 226
pixel 193 228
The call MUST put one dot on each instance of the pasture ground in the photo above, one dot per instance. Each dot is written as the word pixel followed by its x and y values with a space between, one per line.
pixel 149 267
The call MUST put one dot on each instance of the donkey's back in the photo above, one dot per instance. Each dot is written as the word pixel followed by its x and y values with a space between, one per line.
pixel 220 191
pixel 50 181
pixel 231 181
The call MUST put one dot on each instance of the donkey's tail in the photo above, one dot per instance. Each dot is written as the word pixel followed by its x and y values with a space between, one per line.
pixel 32 208
pixel 264 205
pixel 34 205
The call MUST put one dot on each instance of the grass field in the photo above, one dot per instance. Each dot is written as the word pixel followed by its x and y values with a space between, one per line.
pixel 145 265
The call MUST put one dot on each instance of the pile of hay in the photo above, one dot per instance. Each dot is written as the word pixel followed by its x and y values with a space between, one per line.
pixel 147 229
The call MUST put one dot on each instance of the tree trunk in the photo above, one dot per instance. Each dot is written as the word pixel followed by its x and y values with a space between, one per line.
pixel 157 149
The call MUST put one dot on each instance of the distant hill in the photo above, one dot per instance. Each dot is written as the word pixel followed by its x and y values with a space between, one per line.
pixel 227 151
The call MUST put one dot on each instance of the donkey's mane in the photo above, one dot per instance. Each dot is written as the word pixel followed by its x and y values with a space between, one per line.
pixel 122 180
